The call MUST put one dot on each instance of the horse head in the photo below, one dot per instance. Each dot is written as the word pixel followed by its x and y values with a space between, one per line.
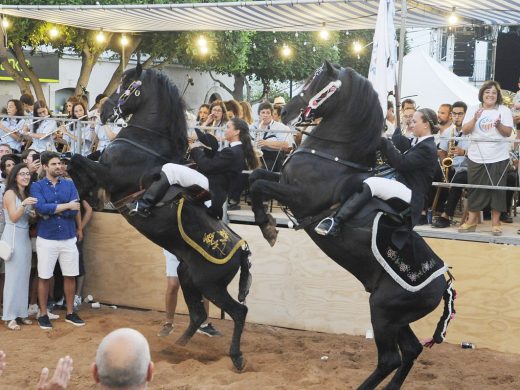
pixel 127 98
pixel 157 109
pixel 317 96
pixel 348 107
pixel 91 180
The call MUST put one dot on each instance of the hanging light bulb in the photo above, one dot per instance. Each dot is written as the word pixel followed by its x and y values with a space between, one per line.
pixel 202 41
pixel 357 48
pixel 296 34
pixel 100 37
pixel 53 32
pixel 305 43
pixel 314 49
pixel 204 50
pixel 254 45
pixel 453 18
pixel 324 34
pixel 124 40
pixel 5 22
pixel 286 51
pixel 275 40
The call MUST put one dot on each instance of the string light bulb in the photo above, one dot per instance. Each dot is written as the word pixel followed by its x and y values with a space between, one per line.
pixel 324 34
pixel 202 41
pixel 204 50
pixel 5 22
pixel 453 18
pixel 100 37
pixel 124 40
pixel 286 51
pixel 53 32
pixel 357 47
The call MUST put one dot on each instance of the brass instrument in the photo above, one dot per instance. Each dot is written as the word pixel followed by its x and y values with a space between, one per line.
pixel 447 162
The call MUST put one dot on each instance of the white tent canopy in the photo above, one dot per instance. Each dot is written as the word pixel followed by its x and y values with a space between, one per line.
pixel 430 84
pixel 274 15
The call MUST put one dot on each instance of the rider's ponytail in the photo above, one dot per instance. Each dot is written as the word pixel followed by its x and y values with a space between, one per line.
pixel 252 161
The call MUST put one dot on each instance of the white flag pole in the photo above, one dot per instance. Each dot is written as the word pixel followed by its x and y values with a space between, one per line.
pixel 382 72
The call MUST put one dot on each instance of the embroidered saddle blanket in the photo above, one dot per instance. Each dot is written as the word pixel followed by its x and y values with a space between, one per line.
pixel 414 265
pixel 214 240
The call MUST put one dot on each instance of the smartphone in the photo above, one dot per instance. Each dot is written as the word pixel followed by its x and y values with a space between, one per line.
pixel 35 156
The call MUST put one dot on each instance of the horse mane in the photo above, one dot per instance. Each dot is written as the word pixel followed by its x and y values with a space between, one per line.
pixel 172 105
pixel 364 120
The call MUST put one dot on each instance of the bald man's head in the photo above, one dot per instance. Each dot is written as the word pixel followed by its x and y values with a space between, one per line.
pixel 123 360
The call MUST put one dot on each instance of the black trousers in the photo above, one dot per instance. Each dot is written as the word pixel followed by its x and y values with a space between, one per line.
pixel 454 193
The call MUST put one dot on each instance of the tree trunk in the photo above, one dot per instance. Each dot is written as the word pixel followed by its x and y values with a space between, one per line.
pixel 266 89
pixel 88 60
pixel 23 85
pixel 29 72
pixel 248 89
pixel 123 62
pixel 238 93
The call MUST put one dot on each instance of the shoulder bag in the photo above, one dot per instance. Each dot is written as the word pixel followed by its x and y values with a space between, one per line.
pixel 6 249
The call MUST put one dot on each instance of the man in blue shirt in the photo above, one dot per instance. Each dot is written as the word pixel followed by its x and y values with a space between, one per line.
pixel 58 206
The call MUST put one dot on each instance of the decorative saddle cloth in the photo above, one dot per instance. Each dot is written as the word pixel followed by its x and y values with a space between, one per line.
pixel 214 240
pixel 413 266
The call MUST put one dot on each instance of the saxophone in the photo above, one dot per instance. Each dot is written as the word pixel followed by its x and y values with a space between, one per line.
pixel 447 162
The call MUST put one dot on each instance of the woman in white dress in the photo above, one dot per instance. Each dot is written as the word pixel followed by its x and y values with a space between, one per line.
pixel 42 130
pixel 18 269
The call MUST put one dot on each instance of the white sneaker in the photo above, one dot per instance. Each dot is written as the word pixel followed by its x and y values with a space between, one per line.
pixel 33 310
pixel 49 314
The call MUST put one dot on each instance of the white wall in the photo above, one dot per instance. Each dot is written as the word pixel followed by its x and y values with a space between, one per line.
pixel 70 67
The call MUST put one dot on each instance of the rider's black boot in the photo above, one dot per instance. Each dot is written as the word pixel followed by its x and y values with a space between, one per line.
pixel 331 225
pixel 152 195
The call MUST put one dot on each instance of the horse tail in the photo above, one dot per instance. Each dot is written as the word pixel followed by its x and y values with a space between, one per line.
pixel 448 314
pixel 245 280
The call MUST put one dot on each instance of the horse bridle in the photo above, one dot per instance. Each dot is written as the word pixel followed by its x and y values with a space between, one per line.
pixel 308 114
pixel 133 88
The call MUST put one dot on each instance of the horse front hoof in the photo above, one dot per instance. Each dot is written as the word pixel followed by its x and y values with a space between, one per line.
pixel 269 230
pixel 239 362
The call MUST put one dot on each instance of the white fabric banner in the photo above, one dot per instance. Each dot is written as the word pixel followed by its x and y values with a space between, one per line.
pixel 382 71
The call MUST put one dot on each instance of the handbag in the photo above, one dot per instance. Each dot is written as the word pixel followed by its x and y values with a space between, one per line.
pixel 6 250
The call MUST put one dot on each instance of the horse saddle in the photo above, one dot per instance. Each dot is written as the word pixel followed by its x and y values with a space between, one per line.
pixel 412 266
pixel 395 209
pixel 214 240
pixel 193 194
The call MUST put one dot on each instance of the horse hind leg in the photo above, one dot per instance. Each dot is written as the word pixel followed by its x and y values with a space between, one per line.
pixel 410 348
pixel 388 358
pixel 238 312
pixel 193 298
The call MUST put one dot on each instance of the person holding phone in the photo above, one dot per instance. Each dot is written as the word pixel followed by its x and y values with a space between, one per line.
pixel 57 230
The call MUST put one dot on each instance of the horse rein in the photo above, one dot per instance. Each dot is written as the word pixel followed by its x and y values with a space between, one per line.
pixel 133 89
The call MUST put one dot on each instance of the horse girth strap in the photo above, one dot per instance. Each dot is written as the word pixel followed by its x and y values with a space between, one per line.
pixel 139 146
pixel 121 203
pixel 336 159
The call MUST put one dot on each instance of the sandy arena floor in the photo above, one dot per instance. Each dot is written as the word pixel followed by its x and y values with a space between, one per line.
pixel 276 358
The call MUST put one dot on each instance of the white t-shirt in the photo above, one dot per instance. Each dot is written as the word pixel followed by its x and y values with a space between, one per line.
pixel 46 126
pixel 488 152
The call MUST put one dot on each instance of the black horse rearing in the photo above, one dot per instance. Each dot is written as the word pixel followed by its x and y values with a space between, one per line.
pixel 328 167
pixel 156 134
